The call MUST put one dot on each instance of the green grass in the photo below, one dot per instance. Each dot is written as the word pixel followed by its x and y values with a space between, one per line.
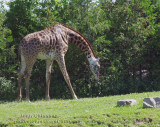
pixel 101 111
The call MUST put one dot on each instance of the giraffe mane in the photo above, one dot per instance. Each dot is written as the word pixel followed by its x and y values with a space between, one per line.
pixel 81 36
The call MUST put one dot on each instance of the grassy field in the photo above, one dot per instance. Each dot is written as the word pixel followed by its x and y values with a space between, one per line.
pixel 102 111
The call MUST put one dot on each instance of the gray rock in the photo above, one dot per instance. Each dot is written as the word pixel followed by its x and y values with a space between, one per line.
pixel 129 102
pixel 151 102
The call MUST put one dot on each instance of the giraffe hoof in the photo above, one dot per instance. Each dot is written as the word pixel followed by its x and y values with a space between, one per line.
pixel 48 98
pixel 27 99
pixel 75 97
pixel 18 99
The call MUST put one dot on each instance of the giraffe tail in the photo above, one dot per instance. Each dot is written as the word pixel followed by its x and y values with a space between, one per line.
pixel 18 59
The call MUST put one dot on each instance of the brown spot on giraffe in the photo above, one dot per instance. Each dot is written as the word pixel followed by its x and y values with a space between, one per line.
pixel 52 44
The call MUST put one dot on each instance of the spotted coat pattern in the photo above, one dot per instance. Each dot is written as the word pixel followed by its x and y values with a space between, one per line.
pixel 49 44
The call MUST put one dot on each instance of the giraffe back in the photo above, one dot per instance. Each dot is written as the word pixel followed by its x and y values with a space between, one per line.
pixel 44 44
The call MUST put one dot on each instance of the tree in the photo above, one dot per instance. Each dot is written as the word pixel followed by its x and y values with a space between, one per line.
pixel 124 35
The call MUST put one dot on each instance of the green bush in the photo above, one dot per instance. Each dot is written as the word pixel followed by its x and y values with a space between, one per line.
pixel 125 35
pixel 7 89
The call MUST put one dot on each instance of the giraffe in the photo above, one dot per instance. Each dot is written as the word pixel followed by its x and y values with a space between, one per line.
pixel 52 44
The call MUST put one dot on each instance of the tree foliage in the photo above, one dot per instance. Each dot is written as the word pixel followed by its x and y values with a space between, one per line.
pixel 125 35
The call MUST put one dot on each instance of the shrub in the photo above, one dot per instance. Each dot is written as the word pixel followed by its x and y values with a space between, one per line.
pixel 7 89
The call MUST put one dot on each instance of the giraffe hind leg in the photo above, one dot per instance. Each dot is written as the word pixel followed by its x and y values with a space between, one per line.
pixel 27 74
pixel 20 74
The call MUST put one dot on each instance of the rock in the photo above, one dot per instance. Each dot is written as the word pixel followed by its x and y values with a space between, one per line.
pixel 129 102
pixel 151 102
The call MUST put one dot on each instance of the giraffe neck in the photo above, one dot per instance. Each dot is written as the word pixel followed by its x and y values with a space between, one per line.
pixel 71 36
pixel 83 44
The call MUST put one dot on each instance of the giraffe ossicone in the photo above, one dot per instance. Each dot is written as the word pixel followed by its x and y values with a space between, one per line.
pixel 52 44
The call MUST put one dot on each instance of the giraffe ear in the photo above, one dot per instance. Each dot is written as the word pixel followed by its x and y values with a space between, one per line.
pixel 99 60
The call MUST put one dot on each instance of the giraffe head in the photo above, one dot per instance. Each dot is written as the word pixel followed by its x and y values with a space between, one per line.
pixel 95 67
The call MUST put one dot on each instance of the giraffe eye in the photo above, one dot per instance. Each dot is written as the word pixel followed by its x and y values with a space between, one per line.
pixel 96 68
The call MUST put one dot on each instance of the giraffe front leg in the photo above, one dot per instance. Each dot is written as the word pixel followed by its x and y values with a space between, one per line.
pixel 48 76
pixel 62 66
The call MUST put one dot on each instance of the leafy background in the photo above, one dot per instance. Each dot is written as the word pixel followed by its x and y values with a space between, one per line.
pixel 125 35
